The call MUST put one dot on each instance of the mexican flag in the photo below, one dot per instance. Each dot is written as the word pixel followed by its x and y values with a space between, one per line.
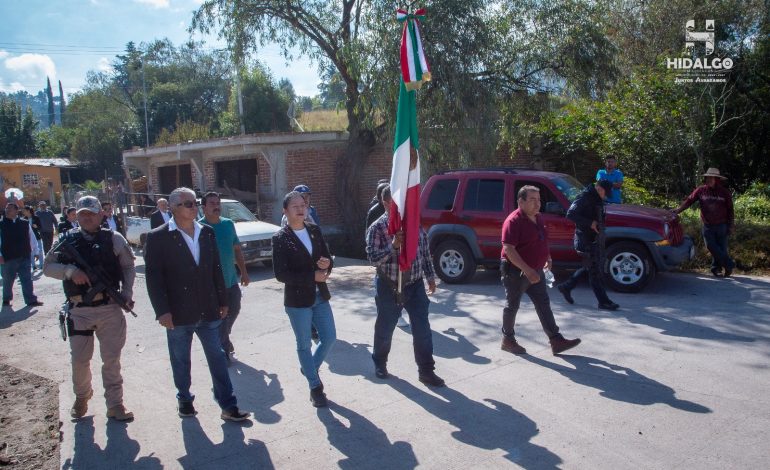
pixel 405 175
pixel 405 179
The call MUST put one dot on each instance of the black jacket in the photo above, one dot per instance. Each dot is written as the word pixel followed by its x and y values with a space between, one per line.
pixel 294 266
pixel 156 219
pixel 118 224
pixel 587 208
pixel 176 284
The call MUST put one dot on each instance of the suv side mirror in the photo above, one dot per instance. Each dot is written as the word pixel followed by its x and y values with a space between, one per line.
pixel 554 207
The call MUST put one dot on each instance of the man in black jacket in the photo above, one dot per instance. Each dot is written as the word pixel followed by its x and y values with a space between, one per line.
pixel 587 211
pixel 160 216
pixel 16 244
pixel 187 291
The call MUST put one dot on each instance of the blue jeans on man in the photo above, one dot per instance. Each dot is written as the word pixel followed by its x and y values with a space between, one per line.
pixel 302 318
pixel 715 236
pixel 22 268
pixel 416 303
pixel 179 344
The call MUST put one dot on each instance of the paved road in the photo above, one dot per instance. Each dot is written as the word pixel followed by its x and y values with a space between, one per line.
pixel 676 379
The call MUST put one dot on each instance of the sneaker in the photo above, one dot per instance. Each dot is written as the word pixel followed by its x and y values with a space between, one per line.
pixel 186 409
pixel 120 413
pixel 510 345
pixel 430 378
pixel 608 306
pixel 318 397
pixel 402 323
pixel 381 371
pixel 80 407
pixel 36 303
pixel 559 344
pixel 233 414
pixel 567 293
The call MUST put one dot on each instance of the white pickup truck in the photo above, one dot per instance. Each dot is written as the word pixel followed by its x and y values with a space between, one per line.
pixel 255 235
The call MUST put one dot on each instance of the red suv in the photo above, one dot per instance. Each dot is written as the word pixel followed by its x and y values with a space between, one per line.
pixel 463 212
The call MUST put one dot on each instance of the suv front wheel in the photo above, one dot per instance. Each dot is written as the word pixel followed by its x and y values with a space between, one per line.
pixel 628 267
pixel 453 262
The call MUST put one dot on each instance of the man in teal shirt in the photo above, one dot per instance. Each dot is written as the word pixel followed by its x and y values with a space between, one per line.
pixel 614 176
pixel 230 254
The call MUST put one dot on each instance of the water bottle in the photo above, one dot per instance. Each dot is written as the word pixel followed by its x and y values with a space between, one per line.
pixel 548 277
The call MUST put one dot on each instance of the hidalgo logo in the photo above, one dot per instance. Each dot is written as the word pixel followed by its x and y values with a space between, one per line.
pixel 691 37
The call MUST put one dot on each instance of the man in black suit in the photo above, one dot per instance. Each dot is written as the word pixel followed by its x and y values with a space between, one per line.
pixel 187 291
pixel 160 216
pixel 110 220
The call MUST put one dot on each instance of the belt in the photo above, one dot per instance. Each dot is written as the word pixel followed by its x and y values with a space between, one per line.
pixel 99 299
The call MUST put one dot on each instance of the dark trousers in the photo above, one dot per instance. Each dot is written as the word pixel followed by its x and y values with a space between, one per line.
pixel 516 285
pixel 592 264
pixel 22 268
pixel 233 309
pixel 715 237
pixel 416 303
pixel 47 241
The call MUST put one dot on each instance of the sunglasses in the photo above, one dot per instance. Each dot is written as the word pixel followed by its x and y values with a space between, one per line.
pixel 188 204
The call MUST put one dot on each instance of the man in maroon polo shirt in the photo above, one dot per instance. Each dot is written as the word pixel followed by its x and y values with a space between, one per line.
pixel 524 256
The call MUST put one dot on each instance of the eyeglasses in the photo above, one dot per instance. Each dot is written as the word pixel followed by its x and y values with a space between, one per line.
pixel 188 204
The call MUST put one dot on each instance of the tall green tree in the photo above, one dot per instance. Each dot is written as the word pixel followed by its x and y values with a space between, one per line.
pixel 264 104
pixel 49 95
pixel 17 130
pixel 62 104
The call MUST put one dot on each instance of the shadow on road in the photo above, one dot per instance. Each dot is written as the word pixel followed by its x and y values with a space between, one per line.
pixel 672 326
pixel 257 391
pixel 452 344
pixel 120 451
pixel 233 452
pixel 490 425
pixel 364 444
pixel 9 316
pixel 617 382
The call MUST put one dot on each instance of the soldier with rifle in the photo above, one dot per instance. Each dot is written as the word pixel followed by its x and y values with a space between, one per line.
pixel 96 266
pixel 587 211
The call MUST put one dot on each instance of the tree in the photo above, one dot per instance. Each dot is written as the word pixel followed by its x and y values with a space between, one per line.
pixel 49 95
pixel 264 104
pixel 62 104
pixel 16 130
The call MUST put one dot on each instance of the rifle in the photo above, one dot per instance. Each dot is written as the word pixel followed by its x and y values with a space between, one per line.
pixel 97 277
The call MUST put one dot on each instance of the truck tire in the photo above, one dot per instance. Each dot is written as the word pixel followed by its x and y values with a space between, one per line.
pixel 628 267
pixel 453 262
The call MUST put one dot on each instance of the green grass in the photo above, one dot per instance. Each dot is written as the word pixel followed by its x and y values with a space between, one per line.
pixel 324 120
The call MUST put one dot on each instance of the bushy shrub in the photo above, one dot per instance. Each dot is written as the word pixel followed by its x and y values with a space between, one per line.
pixel 752 208
pixel 633 193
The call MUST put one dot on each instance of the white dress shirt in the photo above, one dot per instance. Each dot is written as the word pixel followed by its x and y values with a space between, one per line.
pixel 192 243
pixel 166 216
pixel 111 223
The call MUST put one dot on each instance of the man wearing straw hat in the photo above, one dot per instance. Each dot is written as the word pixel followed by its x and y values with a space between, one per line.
pixel 716 213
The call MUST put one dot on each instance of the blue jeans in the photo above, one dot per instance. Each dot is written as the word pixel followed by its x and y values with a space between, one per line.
pixel 233 309
pixel 18 267
pixel 302 318
pixel 416 303
pixel 715 237
pixel 179 343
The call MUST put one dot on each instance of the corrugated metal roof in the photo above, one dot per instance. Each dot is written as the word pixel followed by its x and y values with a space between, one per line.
pixel 39 161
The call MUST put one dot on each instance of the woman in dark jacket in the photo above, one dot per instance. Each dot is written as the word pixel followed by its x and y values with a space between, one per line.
pixel 301 261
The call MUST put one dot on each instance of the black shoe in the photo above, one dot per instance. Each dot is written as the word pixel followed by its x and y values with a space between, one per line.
pixel 318 397
pixel 717 272
pixel 728 272
pixel 6 303
pixel 233 414
pixel 608 306
pixel 566 293
pixel 186 409
pixel 381 371
pixel 36 303
pixel 430 378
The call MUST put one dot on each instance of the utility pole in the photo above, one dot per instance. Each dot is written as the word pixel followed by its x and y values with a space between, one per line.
pixel 240 99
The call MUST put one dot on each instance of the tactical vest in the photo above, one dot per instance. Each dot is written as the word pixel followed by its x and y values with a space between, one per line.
pixel 97 252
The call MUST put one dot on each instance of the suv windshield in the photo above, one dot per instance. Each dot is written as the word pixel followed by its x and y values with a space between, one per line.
pixel 237 212
pixel 568 186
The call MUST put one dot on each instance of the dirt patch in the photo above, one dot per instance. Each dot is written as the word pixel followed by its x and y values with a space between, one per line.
pixel 29 420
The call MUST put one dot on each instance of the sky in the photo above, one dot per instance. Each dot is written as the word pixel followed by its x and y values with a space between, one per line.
pixel 64 39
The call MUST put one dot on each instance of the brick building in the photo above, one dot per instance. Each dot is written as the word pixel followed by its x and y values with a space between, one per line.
pixel 266 165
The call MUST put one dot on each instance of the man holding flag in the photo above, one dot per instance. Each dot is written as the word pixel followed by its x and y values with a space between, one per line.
pixel 395 243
